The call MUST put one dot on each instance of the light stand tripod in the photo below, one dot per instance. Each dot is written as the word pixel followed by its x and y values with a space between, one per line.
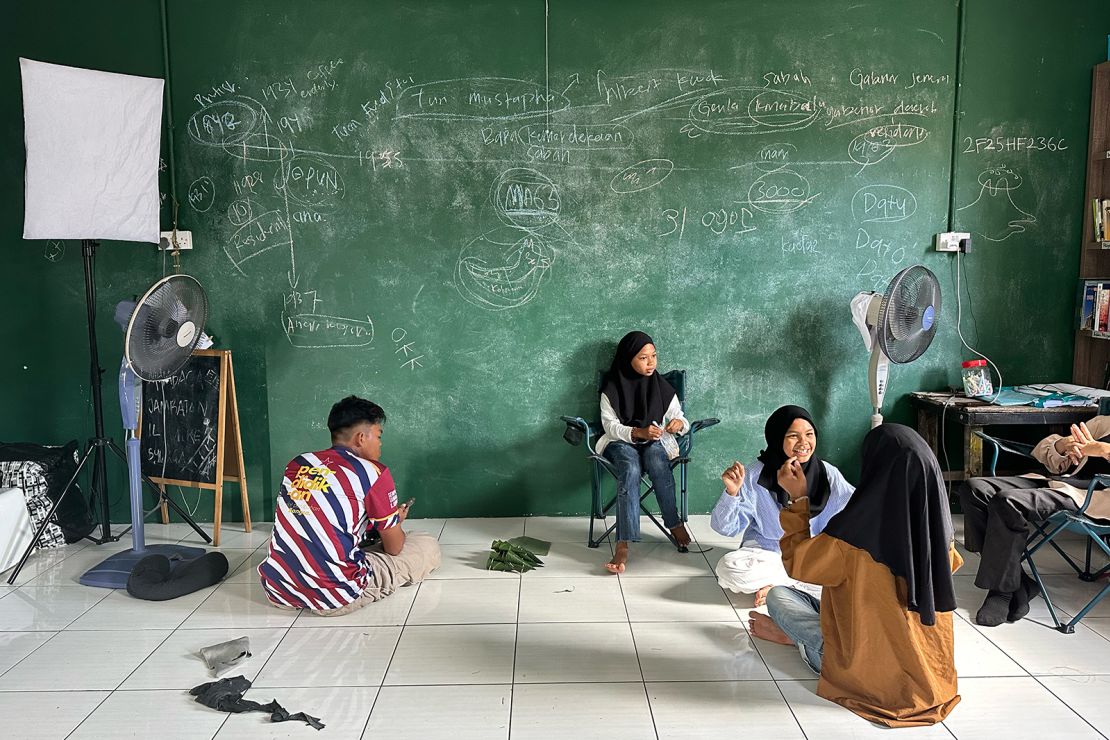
pixel 95 448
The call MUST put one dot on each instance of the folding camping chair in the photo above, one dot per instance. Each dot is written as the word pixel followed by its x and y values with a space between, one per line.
pixel 579 431
pixel 1044 533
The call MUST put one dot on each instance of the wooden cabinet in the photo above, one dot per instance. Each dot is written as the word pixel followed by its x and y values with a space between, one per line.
pixel 1092 354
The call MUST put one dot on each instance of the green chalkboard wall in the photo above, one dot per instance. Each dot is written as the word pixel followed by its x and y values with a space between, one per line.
pixel 455 209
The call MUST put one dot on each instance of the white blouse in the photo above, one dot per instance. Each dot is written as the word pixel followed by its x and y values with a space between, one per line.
pixel 615 430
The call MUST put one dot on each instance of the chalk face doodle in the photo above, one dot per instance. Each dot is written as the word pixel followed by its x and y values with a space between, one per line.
pixel 993 214
pixel 505 267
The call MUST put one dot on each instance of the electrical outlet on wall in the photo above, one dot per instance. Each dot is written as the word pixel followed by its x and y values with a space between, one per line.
pixel 949 241
pixel 184 240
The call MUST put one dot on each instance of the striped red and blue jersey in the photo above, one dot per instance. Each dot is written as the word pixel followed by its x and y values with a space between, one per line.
pixel 327 502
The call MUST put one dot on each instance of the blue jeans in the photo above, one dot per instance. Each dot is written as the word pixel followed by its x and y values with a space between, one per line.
pixel 630 461
pixel 799 615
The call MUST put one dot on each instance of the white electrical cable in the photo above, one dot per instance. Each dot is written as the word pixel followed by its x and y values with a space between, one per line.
pixel 959 317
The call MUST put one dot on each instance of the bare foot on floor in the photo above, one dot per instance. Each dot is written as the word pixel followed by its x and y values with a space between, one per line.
pixel 763 627
pixel 681 536
pixel 761 595
pixel 620 557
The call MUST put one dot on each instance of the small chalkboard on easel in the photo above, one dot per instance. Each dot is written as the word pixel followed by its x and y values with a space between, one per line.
pixel 190 431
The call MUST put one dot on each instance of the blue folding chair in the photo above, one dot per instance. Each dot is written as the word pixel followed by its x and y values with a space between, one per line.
pixel 1076 522
pixel 1045 533
pixel 579 431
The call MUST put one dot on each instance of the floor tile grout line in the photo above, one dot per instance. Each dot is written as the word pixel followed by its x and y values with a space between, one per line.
pixel 1069 706
pixel 801 728
pixel 91 713
pixel 400 635
pixel 516 649
pixel 636 652
pixel 111 692
pixel 28 655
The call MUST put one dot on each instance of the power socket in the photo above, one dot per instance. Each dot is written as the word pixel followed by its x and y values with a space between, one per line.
pixel 184 240
pixel 949 241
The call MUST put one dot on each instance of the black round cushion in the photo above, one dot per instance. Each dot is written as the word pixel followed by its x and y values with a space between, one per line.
pixel 154 578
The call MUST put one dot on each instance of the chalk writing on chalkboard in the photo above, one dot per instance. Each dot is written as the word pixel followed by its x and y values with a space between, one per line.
pixel 180 422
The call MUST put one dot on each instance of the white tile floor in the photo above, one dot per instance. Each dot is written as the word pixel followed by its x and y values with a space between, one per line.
pixel 563 652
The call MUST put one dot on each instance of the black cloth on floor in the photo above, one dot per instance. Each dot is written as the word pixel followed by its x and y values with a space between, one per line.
pixel 899 514
pixel 226 695
pixel 155 578
pixel 997 512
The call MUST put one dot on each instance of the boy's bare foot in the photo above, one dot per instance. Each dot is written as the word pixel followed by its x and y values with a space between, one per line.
pixel 763 627
pixel 761 595
pixel 620 557
pixel 681 536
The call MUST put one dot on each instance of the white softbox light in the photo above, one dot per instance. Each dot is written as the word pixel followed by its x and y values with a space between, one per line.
pixel 92 153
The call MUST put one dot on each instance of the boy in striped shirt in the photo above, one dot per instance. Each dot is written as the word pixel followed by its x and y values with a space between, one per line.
pixel 328 502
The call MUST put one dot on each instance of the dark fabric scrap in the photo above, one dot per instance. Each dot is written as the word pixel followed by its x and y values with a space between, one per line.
pixel 226 695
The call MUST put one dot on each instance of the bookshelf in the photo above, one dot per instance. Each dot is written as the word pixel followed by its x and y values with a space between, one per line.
pixel 1092 351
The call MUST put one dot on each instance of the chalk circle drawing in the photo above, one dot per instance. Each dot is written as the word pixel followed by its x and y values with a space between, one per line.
pixel 780 191
pixel 879 142
pixel 479 99
pixel 503 268
pixel 320 331
pixel 227 121
pixel 240 126
pixel 240 211
pixel 883 204
pixel 752 110
pixel 576 136
pixel 993 214
pixel 641 176
pixel 311 181
pixel 525 198
pixel 201 194
pixel 54 251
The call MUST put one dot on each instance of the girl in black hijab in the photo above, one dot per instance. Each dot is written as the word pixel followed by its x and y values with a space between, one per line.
pixel 749 508
pixel 640 412
pixel 881 636
pixel 817 478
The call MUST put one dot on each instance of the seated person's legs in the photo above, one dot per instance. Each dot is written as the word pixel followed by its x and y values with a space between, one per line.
pixel 658 467
pixel 1000 537
pixel 975 494
pixel 751 570
pixel 626 460
pixel 798 615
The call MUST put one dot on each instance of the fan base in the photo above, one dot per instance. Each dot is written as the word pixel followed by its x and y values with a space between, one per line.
pixel 114 571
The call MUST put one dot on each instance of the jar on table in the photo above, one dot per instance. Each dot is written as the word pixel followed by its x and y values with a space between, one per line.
pixel 977 378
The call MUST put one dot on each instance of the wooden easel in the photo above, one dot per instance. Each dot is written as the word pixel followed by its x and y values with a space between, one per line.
pixel 229 449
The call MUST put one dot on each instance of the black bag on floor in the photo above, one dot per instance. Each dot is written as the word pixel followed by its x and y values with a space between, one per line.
pixel 58 465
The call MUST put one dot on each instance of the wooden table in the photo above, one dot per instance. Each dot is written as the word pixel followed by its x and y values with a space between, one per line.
pixel 974 415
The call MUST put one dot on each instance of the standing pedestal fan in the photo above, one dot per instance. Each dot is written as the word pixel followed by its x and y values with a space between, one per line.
pixel 162 330
pixel 897 326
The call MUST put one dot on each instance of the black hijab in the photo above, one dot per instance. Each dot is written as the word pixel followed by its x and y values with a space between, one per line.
pixel 637 399
pixel 899 514
pixel 817 479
